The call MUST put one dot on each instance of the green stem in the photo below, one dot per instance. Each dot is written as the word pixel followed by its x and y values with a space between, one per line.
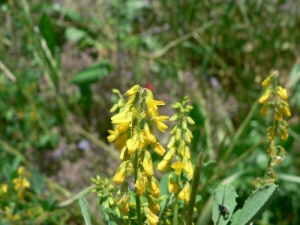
pixel 207 128
pixel 195 184
pixel 275 124
pixel 231 164
pixel 175 218
pixel 176 208
pixel 240 130
pixel 136 156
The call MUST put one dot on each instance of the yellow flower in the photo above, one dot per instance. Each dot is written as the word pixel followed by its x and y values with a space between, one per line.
pixel 282 92
pixel 140 185
pixel 158 122
pixel 122 127
pixel 152 104
pixel 190 120
pixel 154 187
pixel 185 193
pixel 120 175
pixel 178 134
pixel 271 133
pixel 131 100
pixel 133 90
pixel 284 133
pixel 153 205
pixel 187 138
pixel 285 109
pixel 122 117
pixel 266 82
pixel 158 148
pixel 171 142
pixel 21 170
pixel 4 188
pixel 132 145
pixel 264 109
pixel 114 134
pixel 21 183
pixel 152 218
pixel 114 108
pixel 149 134
pixel 147 164
pixel 189 168
pixel 169 154
pixel 163 166
pixel 124 203
pixel 121 141
pixel 178 166
pixel 187 153
pixel 263 99
pixel 278 116
pixel 172 185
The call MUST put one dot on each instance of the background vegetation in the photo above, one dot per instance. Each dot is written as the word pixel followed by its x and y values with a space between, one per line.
pixel 60 59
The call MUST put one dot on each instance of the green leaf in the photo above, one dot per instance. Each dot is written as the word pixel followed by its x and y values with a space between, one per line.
pixel 225 196
pixel 47 32
pixel 69 14
pixel 113 216
pixel 92 74
pixel 74 34
pixel 85 210
pixel 163 186
pixel 16 163
pixel 37 181
pixel 255 205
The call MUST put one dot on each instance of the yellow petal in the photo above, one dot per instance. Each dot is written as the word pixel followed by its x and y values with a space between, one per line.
pixel 152 218
pixel 149 134
pixel 163 166
pixel 263 99
pixel 133 90
pixel 282 92
pixel 132 145
pixel 158 148
pixel 154 187
pixel 172 185
pixel 122 127
pixel 266 82
pixel 119 176
pixel 147 164
pixel 121 141
pixel 113 135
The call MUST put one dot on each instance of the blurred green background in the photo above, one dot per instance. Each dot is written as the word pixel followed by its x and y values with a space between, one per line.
pixel 59 61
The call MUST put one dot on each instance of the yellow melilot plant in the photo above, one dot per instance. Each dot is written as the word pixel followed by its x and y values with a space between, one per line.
pixel 178 158
pixel 274 101
pixel 137 115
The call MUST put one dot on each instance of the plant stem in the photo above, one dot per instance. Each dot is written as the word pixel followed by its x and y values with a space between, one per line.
pixel 175 218
pixel 240 130
pixel 136 156
pixel 195 184
pixel 176 208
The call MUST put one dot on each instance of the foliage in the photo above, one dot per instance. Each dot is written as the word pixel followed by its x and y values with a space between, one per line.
pixel 59 62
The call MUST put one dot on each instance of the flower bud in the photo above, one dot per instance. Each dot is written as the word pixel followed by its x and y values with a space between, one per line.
pixel 133 90
pixel 263 99
pixel 266 82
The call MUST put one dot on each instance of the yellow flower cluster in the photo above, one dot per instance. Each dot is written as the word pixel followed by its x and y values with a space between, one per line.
pixel 179 149
pixel 21 183
pixel 274 97
pixel 133 136
pixel 278 103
